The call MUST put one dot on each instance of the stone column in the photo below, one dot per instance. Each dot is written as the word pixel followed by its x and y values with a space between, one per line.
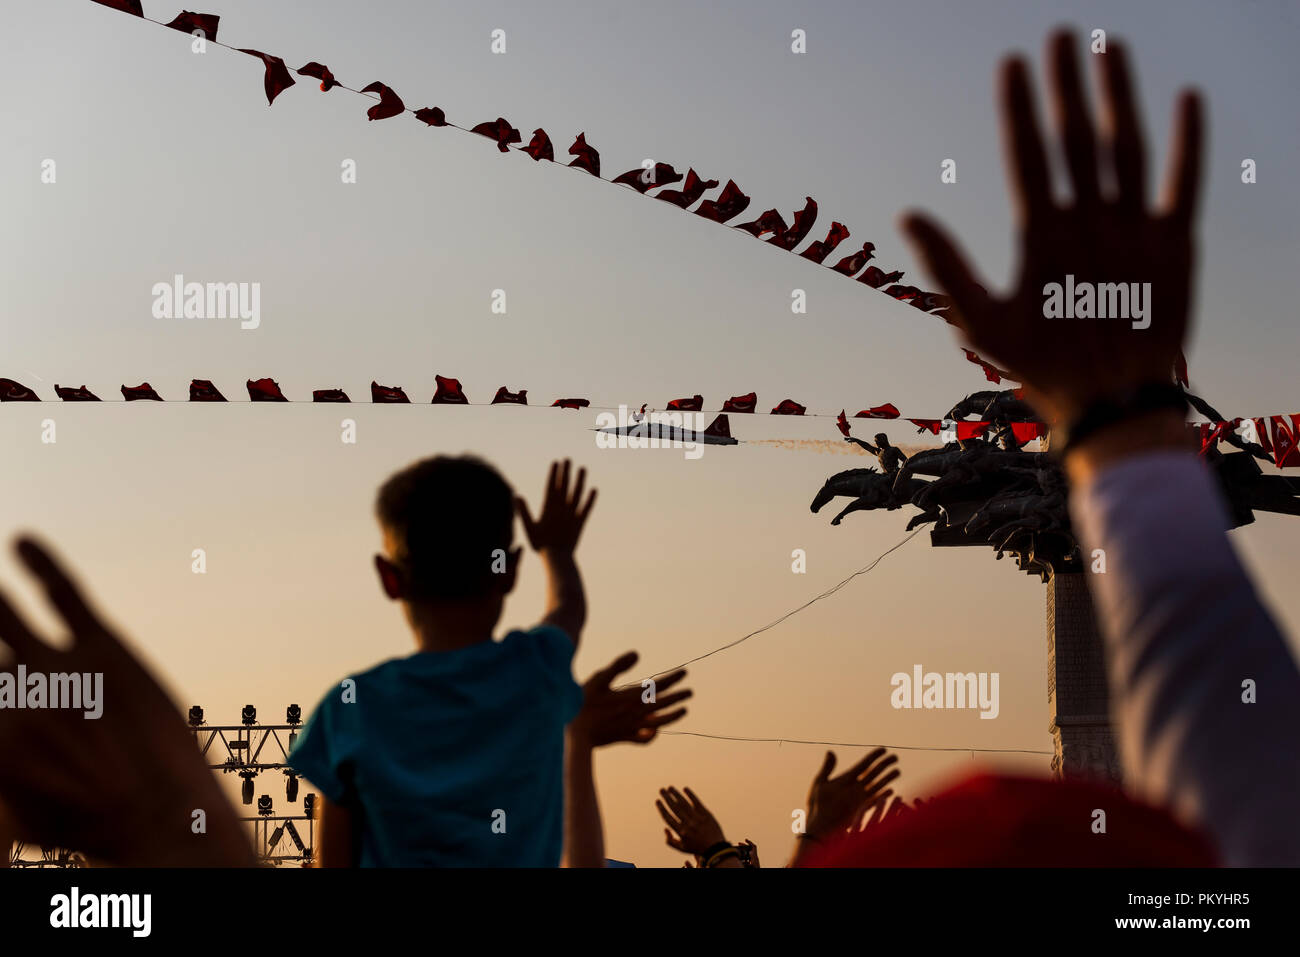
pixel 1078 698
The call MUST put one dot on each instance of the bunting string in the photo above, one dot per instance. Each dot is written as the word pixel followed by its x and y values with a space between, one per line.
pixel 1275 435
pixel 651 180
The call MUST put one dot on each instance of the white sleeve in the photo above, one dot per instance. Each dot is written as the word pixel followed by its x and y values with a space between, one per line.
pixel 1186 636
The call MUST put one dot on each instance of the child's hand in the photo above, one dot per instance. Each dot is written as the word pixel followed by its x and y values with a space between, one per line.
pixel 563 514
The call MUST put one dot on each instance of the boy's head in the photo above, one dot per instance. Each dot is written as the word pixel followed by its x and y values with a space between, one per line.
pixel 448 525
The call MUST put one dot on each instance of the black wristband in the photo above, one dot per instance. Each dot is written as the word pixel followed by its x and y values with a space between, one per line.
pixel 720 846
pixel 1152 397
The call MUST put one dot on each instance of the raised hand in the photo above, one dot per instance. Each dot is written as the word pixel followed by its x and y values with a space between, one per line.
pixel 1106 234
pixel 692 828
pixel 122 787
pixel 563 514
pixel 835 803
pixel 610 715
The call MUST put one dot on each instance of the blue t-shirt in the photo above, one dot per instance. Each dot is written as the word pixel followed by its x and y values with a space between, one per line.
pixel 451 758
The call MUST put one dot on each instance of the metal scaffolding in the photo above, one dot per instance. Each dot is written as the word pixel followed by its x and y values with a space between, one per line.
pixel 247 749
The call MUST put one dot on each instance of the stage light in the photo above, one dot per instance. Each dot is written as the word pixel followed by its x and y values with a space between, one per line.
pixel 246 789
pixel 196 716
pixel 249 714
pixel 291 787
pixel 264 805
pixel 274 839
pixel 293 714
pixel 309 804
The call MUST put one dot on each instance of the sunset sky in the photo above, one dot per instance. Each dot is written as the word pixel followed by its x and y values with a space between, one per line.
pixel 170 162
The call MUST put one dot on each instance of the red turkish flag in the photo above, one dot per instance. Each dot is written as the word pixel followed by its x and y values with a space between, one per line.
pixel 874 278
pixel 448 392
pixel 931 425
pixel 570 403
pixel 320 72
pixel 277 78
pixel 694 404
pixel 499 130
pixel 1028 431
pixel 189 22
pixel 819 250
pixel 741 403
pixel 265 390
pixel 643 178
pixel 329 395
pixel 505 397
pixel 387 394
pixel 126 6
pixel 991 372
pixel 587 157
pixel 789 407
pixel 972 430
pixel 11 391
pixel 432 115
pixel 803 224
pixel 539 147
pixel 730 204
pixel 932 301
pixel 142 391
pixel 770 222
pixel 74 394
pixel 1285 452
pixel 202 390
pixel 903 293
pixel 691 190
pixel 842 423
pixel 1261 433
pixel 886 411
pixel 390 104
pixel 849 265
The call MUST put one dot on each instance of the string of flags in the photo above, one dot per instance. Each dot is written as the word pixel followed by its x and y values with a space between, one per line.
pixel 447 391
pixel 1278 435
pixel 651 180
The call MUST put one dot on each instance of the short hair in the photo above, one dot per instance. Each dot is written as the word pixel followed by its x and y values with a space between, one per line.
pixel 448 514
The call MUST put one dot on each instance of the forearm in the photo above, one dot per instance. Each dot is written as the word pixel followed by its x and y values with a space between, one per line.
pixel 805 846
pixel 165 836
pixel 584 834
pixel 566 604
pixel 1185 632
pixel 334 835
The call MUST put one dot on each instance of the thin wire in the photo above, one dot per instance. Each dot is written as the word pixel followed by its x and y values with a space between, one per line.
pixel 851 744
pixel 826 594
pixel 503 405
pixel 519 149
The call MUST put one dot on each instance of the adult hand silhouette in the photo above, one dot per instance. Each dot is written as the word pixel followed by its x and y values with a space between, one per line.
pixel 122 787
pixel 696 828
pixel 1105 235
pixel 835 803
pixel 610 715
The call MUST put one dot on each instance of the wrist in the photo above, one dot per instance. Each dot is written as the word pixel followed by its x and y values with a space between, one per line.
pixel 1149 432
pixel 718 852
pixel 580 739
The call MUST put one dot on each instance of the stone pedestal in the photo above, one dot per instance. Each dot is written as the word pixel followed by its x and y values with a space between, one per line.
pixel 1078 697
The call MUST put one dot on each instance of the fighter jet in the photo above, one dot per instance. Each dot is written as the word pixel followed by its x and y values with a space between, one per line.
pixel 649 429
